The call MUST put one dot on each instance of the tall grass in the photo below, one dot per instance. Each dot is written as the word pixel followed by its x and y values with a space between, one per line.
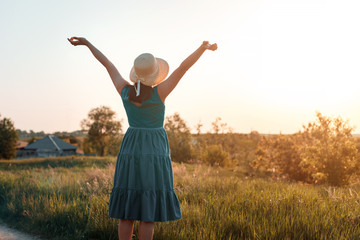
pixel 67 198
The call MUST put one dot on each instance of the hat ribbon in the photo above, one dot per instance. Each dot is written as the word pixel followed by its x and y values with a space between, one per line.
pixel 137 89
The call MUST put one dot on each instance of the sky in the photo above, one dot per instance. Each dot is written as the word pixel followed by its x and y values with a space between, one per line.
pixel 277 63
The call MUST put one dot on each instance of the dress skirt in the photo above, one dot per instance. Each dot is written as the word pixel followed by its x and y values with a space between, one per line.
pixel 143 181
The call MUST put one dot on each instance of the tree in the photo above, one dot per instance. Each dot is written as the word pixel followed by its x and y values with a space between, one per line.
pixel 179 138
pixel 31 140
pixel 103 130
pixel 8 139
pixel 218 126
pixel 198 127
pixel 329 152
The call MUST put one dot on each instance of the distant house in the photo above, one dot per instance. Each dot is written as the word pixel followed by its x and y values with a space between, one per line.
pixel 49 146
pixel 20 145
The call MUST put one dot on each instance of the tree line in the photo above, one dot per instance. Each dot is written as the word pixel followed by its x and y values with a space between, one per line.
pixel 323 151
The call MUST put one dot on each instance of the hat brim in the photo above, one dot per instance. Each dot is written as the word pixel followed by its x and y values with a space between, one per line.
pixel 153 80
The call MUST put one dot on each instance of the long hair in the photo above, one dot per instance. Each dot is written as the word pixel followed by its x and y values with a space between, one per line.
pixel 145 93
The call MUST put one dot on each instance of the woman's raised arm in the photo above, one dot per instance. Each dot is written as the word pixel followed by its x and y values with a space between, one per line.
pixel 165 88
pixel 118 80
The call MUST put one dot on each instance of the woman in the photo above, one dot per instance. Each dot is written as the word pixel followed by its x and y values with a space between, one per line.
pixel 143 187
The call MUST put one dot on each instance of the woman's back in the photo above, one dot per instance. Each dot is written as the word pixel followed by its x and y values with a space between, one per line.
pixel 150 114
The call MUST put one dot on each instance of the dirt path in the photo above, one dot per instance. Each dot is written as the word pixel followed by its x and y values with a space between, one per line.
pixel 7 233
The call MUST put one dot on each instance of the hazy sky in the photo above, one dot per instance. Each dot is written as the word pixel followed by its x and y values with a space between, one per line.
pixel 278 61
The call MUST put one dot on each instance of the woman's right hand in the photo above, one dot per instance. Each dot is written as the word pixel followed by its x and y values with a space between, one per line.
pixel 78 41
pixel 209 46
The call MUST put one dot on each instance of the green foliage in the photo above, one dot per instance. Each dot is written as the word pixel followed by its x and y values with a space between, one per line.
pixel 87 146
pixel 241 147
pixel 324 152
pixel 68 200
pixel 218 126
pixel 74 162
pixel 114 146
pixel 280 155
pixel 103 131
pixel 198 127
pixel 31 140
pixel 26 135
pixel 8 139
pixel 329 152
pixel 215 155
pixel 179 138
pixel 73 140
pixel 57 198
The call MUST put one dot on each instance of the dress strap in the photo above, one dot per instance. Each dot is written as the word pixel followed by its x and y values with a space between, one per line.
pixel 124 91
pixel 157 94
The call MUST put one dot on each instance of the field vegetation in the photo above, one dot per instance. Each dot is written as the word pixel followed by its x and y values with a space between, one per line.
pixel 230 186
pixel 67 198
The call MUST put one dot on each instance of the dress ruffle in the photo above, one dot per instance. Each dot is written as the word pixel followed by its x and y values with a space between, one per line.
pixel 143 181
pixel 144 205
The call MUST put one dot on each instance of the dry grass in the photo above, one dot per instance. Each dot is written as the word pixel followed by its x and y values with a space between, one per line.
pixel 67 198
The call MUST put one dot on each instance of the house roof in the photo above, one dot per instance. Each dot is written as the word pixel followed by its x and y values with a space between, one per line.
pixel 51 142
pixel 21 144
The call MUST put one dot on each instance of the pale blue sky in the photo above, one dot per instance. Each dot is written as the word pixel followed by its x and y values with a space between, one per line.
pixel 278 61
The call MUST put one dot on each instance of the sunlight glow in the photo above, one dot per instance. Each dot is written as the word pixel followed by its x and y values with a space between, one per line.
pixel 277 63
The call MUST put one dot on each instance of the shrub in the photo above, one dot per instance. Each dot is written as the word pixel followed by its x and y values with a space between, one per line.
pixel 329 151
pixel 215 155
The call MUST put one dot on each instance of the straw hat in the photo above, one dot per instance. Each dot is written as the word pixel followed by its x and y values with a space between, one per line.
pixel 149 70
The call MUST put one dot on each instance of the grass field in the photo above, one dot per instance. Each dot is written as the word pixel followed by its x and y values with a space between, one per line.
pixel 67 198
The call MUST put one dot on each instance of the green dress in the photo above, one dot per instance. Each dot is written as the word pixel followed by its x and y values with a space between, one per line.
pixel 143 181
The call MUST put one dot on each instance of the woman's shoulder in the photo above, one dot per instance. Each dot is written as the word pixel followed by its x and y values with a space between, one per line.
pixel 124 90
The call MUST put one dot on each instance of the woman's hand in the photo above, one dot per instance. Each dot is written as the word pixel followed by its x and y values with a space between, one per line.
pixel 209 46
pixel 78 41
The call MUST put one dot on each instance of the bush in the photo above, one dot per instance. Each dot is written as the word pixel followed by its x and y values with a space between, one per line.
pixel 215 155
pixel 329 152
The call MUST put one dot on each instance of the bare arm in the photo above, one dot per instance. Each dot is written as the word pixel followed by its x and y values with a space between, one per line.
pixel 166 87
pixel 117 79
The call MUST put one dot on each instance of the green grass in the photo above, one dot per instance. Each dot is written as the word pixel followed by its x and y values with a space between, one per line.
pixel 67 198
